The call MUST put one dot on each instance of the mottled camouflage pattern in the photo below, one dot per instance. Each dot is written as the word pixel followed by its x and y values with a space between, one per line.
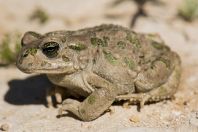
pixel 102 64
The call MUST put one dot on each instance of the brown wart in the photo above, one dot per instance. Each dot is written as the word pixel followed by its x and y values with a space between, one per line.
pixel 30 64
pixel 105 41
pixel 63 40
pixel 94 60
pixel 121 44
pixel 96 41
pixel 43 63
pixel 82 111
pixel 65 58
pixel 100 42
pixel 165 61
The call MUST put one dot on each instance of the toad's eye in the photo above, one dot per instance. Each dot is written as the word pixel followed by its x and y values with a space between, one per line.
pixel 50 49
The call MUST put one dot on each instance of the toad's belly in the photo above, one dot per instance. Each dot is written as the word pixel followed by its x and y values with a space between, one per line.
pixel 73 82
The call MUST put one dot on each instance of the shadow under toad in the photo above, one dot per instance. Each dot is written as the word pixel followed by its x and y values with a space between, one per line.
pixel 31 90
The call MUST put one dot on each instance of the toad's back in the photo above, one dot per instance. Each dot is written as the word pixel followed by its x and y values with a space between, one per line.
pixel 127 54
pixel 124 47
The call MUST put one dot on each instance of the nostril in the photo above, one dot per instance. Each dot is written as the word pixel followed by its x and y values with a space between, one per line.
pixel 31 51
pixel 25 53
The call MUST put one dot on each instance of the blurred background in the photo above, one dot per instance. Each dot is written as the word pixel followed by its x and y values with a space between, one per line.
pixel 175 21
pixel 22 96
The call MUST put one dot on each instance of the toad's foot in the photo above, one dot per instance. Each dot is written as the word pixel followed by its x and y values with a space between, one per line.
pixel 134 98
pixel 69 105
pixel 142 98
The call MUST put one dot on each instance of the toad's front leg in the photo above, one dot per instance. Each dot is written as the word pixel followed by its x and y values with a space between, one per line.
pixel 58 92
pixel 96 103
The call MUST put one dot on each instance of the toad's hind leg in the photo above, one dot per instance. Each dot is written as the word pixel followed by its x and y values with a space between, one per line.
pixel 165 91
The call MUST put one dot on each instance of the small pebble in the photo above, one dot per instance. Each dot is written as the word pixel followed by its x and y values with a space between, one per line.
pixel 134 119
pixel 111 111
pixel 85 125
pixel 194 122
pixel 4 127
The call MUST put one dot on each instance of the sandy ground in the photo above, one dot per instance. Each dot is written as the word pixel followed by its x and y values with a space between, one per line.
pixel 22 96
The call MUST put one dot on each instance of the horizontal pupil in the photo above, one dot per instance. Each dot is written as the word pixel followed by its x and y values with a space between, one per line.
pixel 50 49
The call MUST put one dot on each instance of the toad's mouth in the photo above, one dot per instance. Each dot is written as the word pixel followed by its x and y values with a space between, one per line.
pixel 57 67
pixel 48 71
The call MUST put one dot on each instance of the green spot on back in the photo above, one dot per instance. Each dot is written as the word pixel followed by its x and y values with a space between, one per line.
pixel 130 63
pixel 78 46
pixel 157 45
pixel 91 99
pixel 133 39
pixel 154 37
pixel 96 41
pixel 110 57
pixel 100 42
pixel 121 44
